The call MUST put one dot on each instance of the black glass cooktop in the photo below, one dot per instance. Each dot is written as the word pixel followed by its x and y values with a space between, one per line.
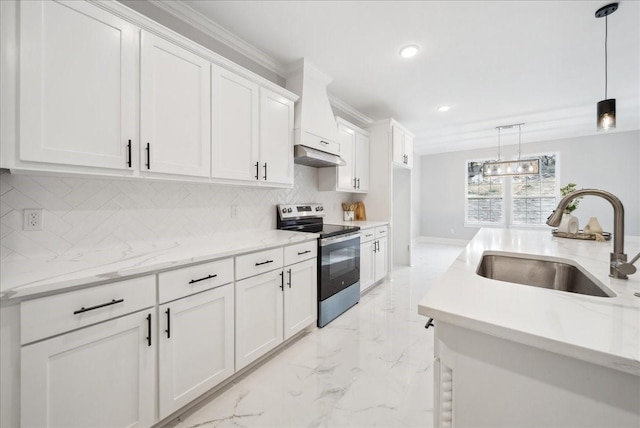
pixel 335 229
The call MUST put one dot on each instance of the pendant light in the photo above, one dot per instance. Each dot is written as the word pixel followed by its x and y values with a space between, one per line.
pixel 518 167
pixel 606 110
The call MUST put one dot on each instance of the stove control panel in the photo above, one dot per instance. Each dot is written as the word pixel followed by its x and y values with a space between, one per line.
pixel 300 210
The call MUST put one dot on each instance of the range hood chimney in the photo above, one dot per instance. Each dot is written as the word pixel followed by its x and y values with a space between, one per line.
pixel 315 129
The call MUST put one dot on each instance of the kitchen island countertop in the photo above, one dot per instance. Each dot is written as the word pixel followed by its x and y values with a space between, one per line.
pixel 28 278
pixel 600 330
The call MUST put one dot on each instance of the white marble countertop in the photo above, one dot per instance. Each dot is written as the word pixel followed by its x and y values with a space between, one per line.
pixel 600 330
pixel 20 279
pixel 363 224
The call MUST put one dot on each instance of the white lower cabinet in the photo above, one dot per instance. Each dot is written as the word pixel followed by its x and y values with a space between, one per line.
pixel 195 346
pixel 381 259
pixel 99 375
pixel 373 256
pixel 259 311
pixel 272 307
pixel 300 297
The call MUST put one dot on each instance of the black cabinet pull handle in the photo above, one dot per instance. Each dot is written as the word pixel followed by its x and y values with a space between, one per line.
pixel 257 169
pixel 429 323
pixel 168 330
pixel 149 330
pixel 304 252
pixel 324 142
pixel 265 170
pixel 83 309
pixel 203 279
pixel 264 263
pixel 148 149
pixel 129 154
pixel 282 281
pixel 354 183
pixel 289 272
pixel 378 244
pixel 358 183
pixel 368 235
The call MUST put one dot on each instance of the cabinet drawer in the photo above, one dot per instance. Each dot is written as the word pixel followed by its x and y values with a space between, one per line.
pixel 183 282
pixel 48 316
pixel 255 263
pixel 381 231
pixel 299 252
pixel 367 235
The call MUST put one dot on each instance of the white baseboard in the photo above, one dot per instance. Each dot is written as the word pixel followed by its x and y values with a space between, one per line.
pixel 438 240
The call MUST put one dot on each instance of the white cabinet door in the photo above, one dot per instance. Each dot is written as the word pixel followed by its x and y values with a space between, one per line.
pixel 346 173
pixel 276 138
pixel 362 162
pixel 174 109
pixel 397 143
pixel 196 346
pixel 300 297
pixel 103 375
pixel 77 84
pixel 367 265
pixel 234 126
pixel 408 150
pixel 381 257
pixel 258 316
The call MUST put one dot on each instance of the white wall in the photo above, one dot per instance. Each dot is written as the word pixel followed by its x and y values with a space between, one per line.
pixel 605 161
pixel 97 214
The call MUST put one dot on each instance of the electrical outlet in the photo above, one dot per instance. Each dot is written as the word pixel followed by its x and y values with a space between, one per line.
pixel 234 211
pixel 33 219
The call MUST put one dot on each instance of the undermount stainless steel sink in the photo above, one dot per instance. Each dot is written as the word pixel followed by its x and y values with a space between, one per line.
pixel 544 272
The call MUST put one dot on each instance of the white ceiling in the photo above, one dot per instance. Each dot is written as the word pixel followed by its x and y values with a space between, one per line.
pixel 494 62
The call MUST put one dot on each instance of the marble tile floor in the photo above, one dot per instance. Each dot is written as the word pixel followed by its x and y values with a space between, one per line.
pixel 371 367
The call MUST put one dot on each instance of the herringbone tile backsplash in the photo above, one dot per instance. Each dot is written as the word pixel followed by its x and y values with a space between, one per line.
pixel 96 213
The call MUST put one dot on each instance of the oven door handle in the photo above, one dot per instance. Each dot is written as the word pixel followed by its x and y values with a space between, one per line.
pixel 337 239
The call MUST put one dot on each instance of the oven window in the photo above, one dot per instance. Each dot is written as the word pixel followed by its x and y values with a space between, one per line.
pixel 342 262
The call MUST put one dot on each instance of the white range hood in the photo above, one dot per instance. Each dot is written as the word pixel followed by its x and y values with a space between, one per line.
pixel 315 129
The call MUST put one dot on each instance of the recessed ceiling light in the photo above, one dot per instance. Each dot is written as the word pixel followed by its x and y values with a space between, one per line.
pixel 444 108
pixel 409 51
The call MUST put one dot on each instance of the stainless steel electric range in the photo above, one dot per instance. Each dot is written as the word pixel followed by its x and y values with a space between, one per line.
pixel 338 257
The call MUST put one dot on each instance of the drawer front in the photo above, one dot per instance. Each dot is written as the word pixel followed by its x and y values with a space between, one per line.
pixel 255 263
pixel 381 232
pixel 48 316
pixel 367 235
pixel 193 279
pixel 300 252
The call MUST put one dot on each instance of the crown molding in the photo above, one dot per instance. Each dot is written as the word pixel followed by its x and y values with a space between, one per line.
pixel 346 108
pixel 202 23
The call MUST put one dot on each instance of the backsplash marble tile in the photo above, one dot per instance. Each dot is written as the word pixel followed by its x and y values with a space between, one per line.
pixel 97 213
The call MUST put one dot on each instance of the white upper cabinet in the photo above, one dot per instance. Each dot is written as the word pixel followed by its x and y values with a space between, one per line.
pixel 276 138
pixel 362 162
pixel 346 173
pixel 402 143
pixel 234 122
pixel 353 176
pixel 86 90
pixel 175 109
pixel 77 85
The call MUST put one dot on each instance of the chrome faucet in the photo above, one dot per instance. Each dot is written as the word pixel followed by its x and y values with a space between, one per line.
pixel 618 257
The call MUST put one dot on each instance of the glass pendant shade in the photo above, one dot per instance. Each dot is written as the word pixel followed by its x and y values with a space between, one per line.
pixel 607 114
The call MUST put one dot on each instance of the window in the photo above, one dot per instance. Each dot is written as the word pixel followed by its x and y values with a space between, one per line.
pixel 525 200
pixel 484 196
pixel 534 196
